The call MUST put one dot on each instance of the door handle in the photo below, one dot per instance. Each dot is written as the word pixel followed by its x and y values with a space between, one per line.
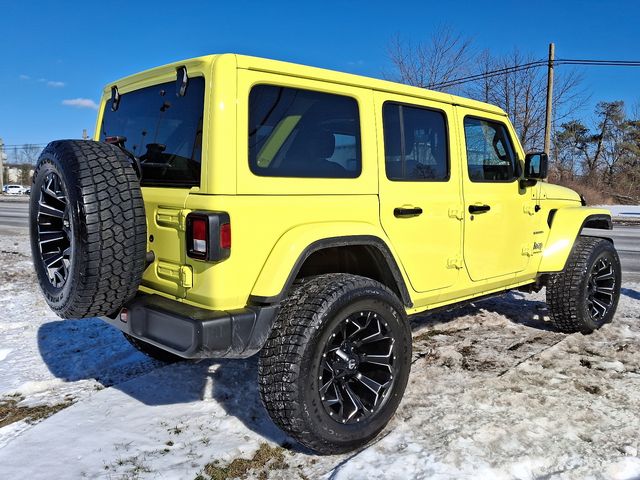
pixel 407 212
pixel 479 208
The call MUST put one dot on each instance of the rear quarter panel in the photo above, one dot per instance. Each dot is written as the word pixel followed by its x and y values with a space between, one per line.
pixel 268 235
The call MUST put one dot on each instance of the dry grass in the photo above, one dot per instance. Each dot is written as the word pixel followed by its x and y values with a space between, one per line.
pixel 267 458
pixel 11 411
pixel 593 196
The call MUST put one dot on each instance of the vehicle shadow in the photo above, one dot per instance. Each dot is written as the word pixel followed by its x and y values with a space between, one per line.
pixel 513 305
pixel 630 293
pixel 90 349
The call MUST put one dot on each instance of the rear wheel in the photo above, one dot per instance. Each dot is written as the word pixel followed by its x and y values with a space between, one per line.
pixel 88 228
pixel 584 296
pixel 337 361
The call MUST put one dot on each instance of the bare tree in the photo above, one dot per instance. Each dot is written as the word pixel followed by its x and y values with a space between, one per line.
pixel 29 153
pixel 25 174
pixel 445 56
pixel 520 90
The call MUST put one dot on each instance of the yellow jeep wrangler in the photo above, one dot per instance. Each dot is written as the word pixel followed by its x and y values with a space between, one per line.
pixel 231 205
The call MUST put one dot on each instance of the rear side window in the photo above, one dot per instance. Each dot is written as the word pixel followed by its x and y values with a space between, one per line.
pixel 415 143
pixel 163 130
pixel 490 154
pixel 302 133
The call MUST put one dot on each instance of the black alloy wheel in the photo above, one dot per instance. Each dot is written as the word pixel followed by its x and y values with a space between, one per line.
pixel 54 230
pixel 601 288
pixel 358 368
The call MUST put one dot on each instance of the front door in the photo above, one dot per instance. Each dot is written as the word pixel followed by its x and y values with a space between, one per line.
pixel 498 226
pixel 420 198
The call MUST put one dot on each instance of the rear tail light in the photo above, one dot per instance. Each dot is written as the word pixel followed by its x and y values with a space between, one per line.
pixel 209 236
pixel 199 235
pixel 225 235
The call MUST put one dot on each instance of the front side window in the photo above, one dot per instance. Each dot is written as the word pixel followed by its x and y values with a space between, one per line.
pixel 302 133
pixel 163 130
pixel 490 154
pixel 415 143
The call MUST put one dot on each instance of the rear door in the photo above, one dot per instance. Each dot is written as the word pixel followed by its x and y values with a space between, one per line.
pixel 498 231
pixel 420 198
pixel 164 131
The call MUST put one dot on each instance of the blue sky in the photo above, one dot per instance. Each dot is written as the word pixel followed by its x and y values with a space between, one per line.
pixel 56 56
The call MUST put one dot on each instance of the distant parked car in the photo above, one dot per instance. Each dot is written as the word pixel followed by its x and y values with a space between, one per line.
pixel 14 189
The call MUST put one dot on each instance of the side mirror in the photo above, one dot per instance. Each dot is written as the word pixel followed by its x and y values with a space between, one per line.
pixel 536 165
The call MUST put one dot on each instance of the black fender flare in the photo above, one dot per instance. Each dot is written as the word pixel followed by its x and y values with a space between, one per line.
pixel 352 240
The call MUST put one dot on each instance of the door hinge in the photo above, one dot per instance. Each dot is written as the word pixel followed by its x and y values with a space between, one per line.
pixel 456 213
pixel 455 262
pixel 172 217
pixel 186 276
pixel 180 274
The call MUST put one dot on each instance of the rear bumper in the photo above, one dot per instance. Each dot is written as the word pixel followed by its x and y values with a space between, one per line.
pixel 193 332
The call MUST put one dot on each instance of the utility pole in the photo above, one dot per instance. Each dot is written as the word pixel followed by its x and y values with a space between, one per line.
pixel 547 125
pixel 2 158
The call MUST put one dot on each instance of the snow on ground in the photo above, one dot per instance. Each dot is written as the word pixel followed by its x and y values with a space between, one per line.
pixel 494 393
pixel 623 210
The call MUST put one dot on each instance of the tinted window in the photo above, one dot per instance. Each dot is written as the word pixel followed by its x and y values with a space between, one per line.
pixel 490 156
pixel 415 143
pixel 163 130
pixel 301 133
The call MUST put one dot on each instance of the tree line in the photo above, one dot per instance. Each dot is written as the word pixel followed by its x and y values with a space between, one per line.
pixel 20 159
pixel 600 159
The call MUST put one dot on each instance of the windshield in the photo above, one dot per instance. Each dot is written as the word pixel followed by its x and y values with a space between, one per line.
pixel 163 130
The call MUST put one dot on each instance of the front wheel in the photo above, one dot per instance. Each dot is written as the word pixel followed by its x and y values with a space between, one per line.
pixel 584 296
pixel 336 363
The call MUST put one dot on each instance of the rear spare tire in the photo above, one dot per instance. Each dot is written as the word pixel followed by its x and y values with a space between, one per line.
pixel 88 228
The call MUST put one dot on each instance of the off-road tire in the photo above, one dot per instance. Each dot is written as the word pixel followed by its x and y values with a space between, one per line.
pixel 105 222
pixel 568 291
pixel 289 362
pixel 152 351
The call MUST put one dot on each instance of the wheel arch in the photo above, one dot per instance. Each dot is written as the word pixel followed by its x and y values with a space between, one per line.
pixel 566 224
pixel 359 253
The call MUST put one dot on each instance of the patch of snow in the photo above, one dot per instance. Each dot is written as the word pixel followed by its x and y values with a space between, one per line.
pixel 4 352
pixel 622 210
pixel 624 469
pixel 494 392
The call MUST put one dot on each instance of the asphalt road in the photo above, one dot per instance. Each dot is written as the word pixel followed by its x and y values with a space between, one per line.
pixel 626 238
pixel 14 214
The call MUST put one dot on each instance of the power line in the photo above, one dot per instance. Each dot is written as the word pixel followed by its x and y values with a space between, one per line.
pixel 622 63
pixel 492 73
pixel 535 64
